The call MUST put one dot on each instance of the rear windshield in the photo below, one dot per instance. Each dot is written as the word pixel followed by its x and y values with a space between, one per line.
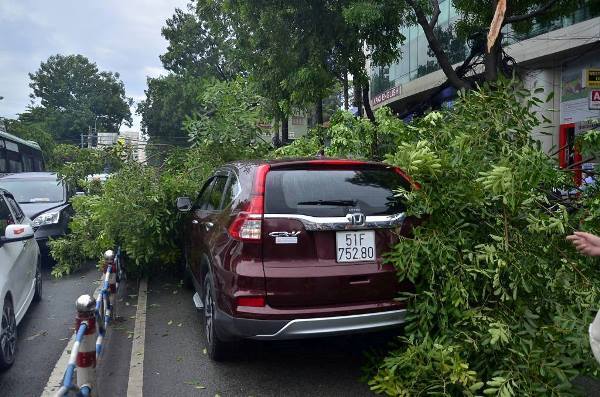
pixel 333 192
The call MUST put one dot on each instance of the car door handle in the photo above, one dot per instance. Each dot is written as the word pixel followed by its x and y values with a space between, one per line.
pixel 194 221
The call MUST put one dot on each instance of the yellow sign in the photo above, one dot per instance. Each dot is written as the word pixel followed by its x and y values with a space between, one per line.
pixel 592 78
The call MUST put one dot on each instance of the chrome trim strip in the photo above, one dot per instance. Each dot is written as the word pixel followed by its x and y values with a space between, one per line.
pixel 314 223
pixel 313 327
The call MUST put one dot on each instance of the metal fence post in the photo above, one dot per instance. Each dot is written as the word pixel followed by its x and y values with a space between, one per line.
pixel 86 356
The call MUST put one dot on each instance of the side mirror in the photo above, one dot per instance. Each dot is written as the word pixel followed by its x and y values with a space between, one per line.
pixel 184 204
pixel 16 233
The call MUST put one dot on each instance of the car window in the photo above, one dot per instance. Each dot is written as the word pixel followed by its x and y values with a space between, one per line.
pixel 15 209
pixel 6 217
pixel 233 189
pixel 333 192
pixel 202 200
pixel 216 194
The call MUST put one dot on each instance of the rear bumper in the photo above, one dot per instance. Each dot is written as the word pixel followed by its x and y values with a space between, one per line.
pixel 234 328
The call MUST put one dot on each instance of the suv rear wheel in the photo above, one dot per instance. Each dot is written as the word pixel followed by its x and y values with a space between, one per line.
pixel 215 348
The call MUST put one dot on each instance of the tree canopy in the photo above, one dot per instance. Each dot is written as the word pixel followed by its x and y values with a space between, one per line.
pixel 201 42
pixel 74 96
pixel 169 99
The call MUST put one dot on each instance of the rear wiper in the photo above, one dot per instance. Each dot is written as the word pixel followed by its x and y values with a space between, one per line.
pixel 341 203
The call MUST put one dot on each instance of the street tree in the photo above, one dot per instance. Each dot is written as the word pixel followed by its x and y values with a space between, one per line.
pixel 324 39
pixel 74 96
pixel 169 99
pixel 201 42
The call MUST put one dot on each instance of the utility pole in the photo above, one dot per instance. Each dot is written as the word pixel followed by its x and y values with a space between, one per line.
pixel 82 141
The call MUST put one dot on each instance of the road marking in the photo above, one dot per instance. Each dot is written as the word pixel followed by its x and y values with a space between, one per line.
pixel 135 386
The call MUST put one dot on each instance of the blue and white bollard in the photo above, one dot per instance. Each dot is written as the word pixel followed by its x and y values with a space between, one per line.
pixel 86 354
pixel 109 260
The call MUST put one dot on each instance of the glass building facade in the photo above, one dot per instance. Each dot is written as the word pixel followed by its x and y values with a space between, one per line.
pixel 417 60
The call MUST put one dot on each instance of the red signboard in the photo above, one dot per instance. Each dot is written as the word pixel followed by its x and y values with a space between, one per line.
pixel 594 99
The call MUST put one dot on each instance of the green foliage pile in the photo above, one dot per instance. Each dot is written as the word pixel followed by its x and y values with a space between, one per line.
pixel 74 164
pixel 135 209
pixel 502 302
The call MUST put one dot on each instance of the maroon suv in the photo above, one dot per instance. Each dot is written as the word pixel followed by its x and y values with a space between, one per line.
pixel 293 248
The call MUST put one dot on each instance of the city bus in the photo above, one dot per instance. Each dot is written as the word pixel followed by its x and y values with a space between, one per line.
pixel 19 155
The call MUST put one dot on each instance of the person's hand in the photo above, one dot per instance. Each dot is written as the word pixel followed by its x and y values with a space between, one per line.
pixel 586 243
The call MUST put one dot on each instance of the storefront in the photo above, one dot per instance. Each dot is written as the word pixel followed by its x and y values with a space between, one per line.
pixel 579 109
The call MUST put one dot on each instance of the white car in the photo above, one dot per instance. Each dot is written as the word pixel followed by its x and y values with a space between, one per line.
pixel 20 273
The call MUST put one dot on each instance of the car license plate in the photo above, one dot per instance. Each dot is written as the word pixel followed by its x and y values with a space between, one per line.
pixel 356 246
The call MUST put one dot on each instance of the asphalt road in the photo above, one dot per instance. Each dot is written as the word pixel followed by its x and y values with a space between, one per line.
pixel 176 365
pixel 45 331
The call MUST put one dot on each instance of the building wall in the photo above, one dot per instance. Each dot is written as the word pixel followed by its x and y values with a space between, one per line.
pixel 416 61
pixel 553 60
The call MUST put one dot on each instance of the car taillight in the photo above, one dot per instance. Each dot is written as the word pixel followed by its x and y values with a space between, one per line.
pixel 247 226
pixel 251 301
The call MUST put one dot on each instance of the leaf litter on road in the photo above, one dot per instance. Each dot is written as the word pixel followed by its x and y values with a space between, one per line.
pixel 41 333
pixel 195 383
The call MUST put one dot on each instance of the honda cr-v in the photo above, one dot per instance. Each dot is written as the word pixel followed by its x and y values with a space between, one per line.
pixel 293 248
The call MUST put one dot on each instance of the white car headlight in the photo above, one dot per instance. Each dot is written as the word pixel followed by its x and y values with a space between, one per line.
pixel 47 218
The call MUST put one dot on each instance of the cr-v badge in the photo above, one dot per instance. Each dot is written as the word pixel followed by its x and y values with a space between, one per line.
pixel 285 237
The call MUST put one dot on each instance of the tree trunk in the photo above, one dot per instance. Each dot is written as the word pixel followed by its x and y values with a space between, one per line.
pixel 319 111
pixel 345 85
pixel 285 129
pixel 436 47
pixel 371 116
pixel 491 60
pixel 367 102
pixel 358 98
pixel 275 140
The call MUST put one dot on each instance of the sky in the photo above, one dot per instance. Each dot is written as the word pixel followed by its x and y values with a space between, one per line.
pixel 118 35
